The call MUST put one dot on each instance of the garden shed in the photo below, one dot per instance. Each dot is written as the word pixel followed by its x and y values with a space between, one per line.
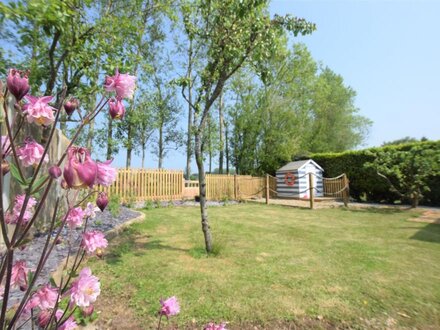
pixel 293 179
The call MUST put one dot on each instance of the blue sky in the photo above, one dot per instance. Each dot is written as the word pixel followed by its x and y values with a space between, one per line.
pixel 387 51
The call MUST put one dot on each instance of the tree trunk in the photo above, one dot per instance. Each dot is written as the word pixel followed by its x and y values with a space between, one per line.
pixel 160 146
pixel 129 146
pixel 202 193
pixel 188 141
pixel 90 135
pixel 209 145
pixel 415 201
pixel 221 120
pixel 143 155
pixel 110 138
pixel 227 149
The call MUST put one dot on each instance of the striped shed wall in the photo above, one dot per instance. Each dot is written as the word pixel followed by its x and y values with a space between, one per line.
pixel 300 170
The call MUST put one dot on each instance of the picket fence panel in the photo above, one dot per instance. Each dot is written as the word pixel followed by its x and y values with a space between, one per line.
pixel 137 185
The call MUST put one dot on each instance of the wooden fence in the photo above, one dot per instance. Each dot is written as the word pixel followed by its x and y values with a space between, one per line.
pixel 138 185
pixel 142 184
pixel 220 186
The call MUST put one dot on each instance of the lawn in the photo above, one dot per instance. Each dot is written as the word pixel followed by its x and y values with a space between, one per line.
pixel 276 267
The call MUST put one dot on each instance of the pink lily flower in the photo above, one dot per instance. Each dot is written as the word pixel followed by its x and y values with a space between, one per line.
pixel 106 173
pixel 80 170
pixel 75 217
pixel 13 216
pixel 38 110
pixel 169 307
pixel 122 84
pixel 68 324
pixel 31 153
pixel 90 210
pixel 45 298
pixel 19 275
pixel 85 289
pixel 93 241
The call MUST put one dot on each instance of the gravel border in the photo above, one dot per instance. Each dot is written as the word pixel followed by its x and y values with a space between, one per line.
pixel 104 221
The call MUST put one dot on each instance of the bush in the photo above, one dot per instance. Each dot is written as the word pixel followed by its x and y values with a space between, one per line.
pixel 148 205
pixel 114 205
pixel 365 184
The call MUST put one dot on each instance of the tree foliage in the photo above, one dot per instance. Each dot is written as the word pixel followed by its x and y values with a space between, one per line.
pixel 407 172
pixel 293 108
pixel 367 185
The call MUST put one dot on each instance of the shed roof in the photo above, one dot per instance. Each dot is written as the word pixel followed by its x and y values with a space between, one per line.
pixel 299 164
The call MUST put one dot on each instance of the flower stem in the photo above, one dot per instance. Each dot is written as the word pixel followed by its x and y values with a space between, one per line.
pixel 160 320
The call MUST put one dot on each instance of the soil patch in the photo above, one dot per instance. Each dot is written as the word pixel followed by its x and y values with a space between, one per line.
pixel 430 216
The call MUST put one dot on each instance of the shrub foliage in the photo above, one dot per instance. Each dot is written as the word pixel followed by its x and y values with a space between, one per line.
pixel 367 185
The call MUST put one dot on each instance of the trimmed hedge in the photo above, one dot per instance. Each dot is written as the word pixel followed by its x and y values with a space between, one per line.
pixel 365 184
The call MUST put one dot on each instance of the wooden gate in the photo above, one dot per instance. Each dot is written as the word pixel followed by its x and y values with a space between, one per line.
pixel 336 187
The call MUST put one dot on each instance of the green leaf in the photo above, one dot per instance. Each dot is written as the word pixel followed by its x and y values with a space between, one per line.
pixel 39 182
pixel 52 282
pixel 16 175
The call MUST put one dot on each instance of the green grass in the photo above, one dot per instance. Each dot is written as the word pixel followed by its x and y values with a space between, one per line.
pixel 278 264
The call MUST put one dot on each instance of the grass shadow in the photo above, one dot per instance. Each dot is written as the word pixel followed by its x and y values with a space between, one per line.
pixel 429 233
pixel 376 210
pixel 137 245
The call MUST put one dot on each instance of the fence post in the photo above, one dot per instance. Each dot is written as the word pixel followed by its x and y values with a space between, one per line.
pixel 311 191
pixel 183 186
pixel 235 186
pixel 267 188
pixel 346 191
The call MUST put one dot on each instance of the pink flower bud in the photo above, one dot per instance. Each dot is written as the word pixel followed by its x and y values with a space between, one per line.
pixel 87 311
pixel 102 201
pixel 55 172
pixel 44 318
pixel 71 105
pixel 117 109
pixel 18 83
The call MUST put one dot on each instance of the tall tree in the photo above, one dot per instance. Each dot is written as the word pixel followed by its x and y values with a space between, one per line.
pixel 228 33
pixel 337 124
pixel 221 123
pixel 292 109
pixel 189 142
pixel 168 135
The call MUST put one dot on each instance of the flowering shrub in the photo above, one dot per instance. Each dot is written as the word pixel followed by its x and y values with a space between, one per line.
pixel 27 162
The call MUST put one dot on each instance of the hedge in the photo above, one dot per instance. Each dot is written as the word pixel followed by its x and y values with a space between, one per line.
pixel 365 184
